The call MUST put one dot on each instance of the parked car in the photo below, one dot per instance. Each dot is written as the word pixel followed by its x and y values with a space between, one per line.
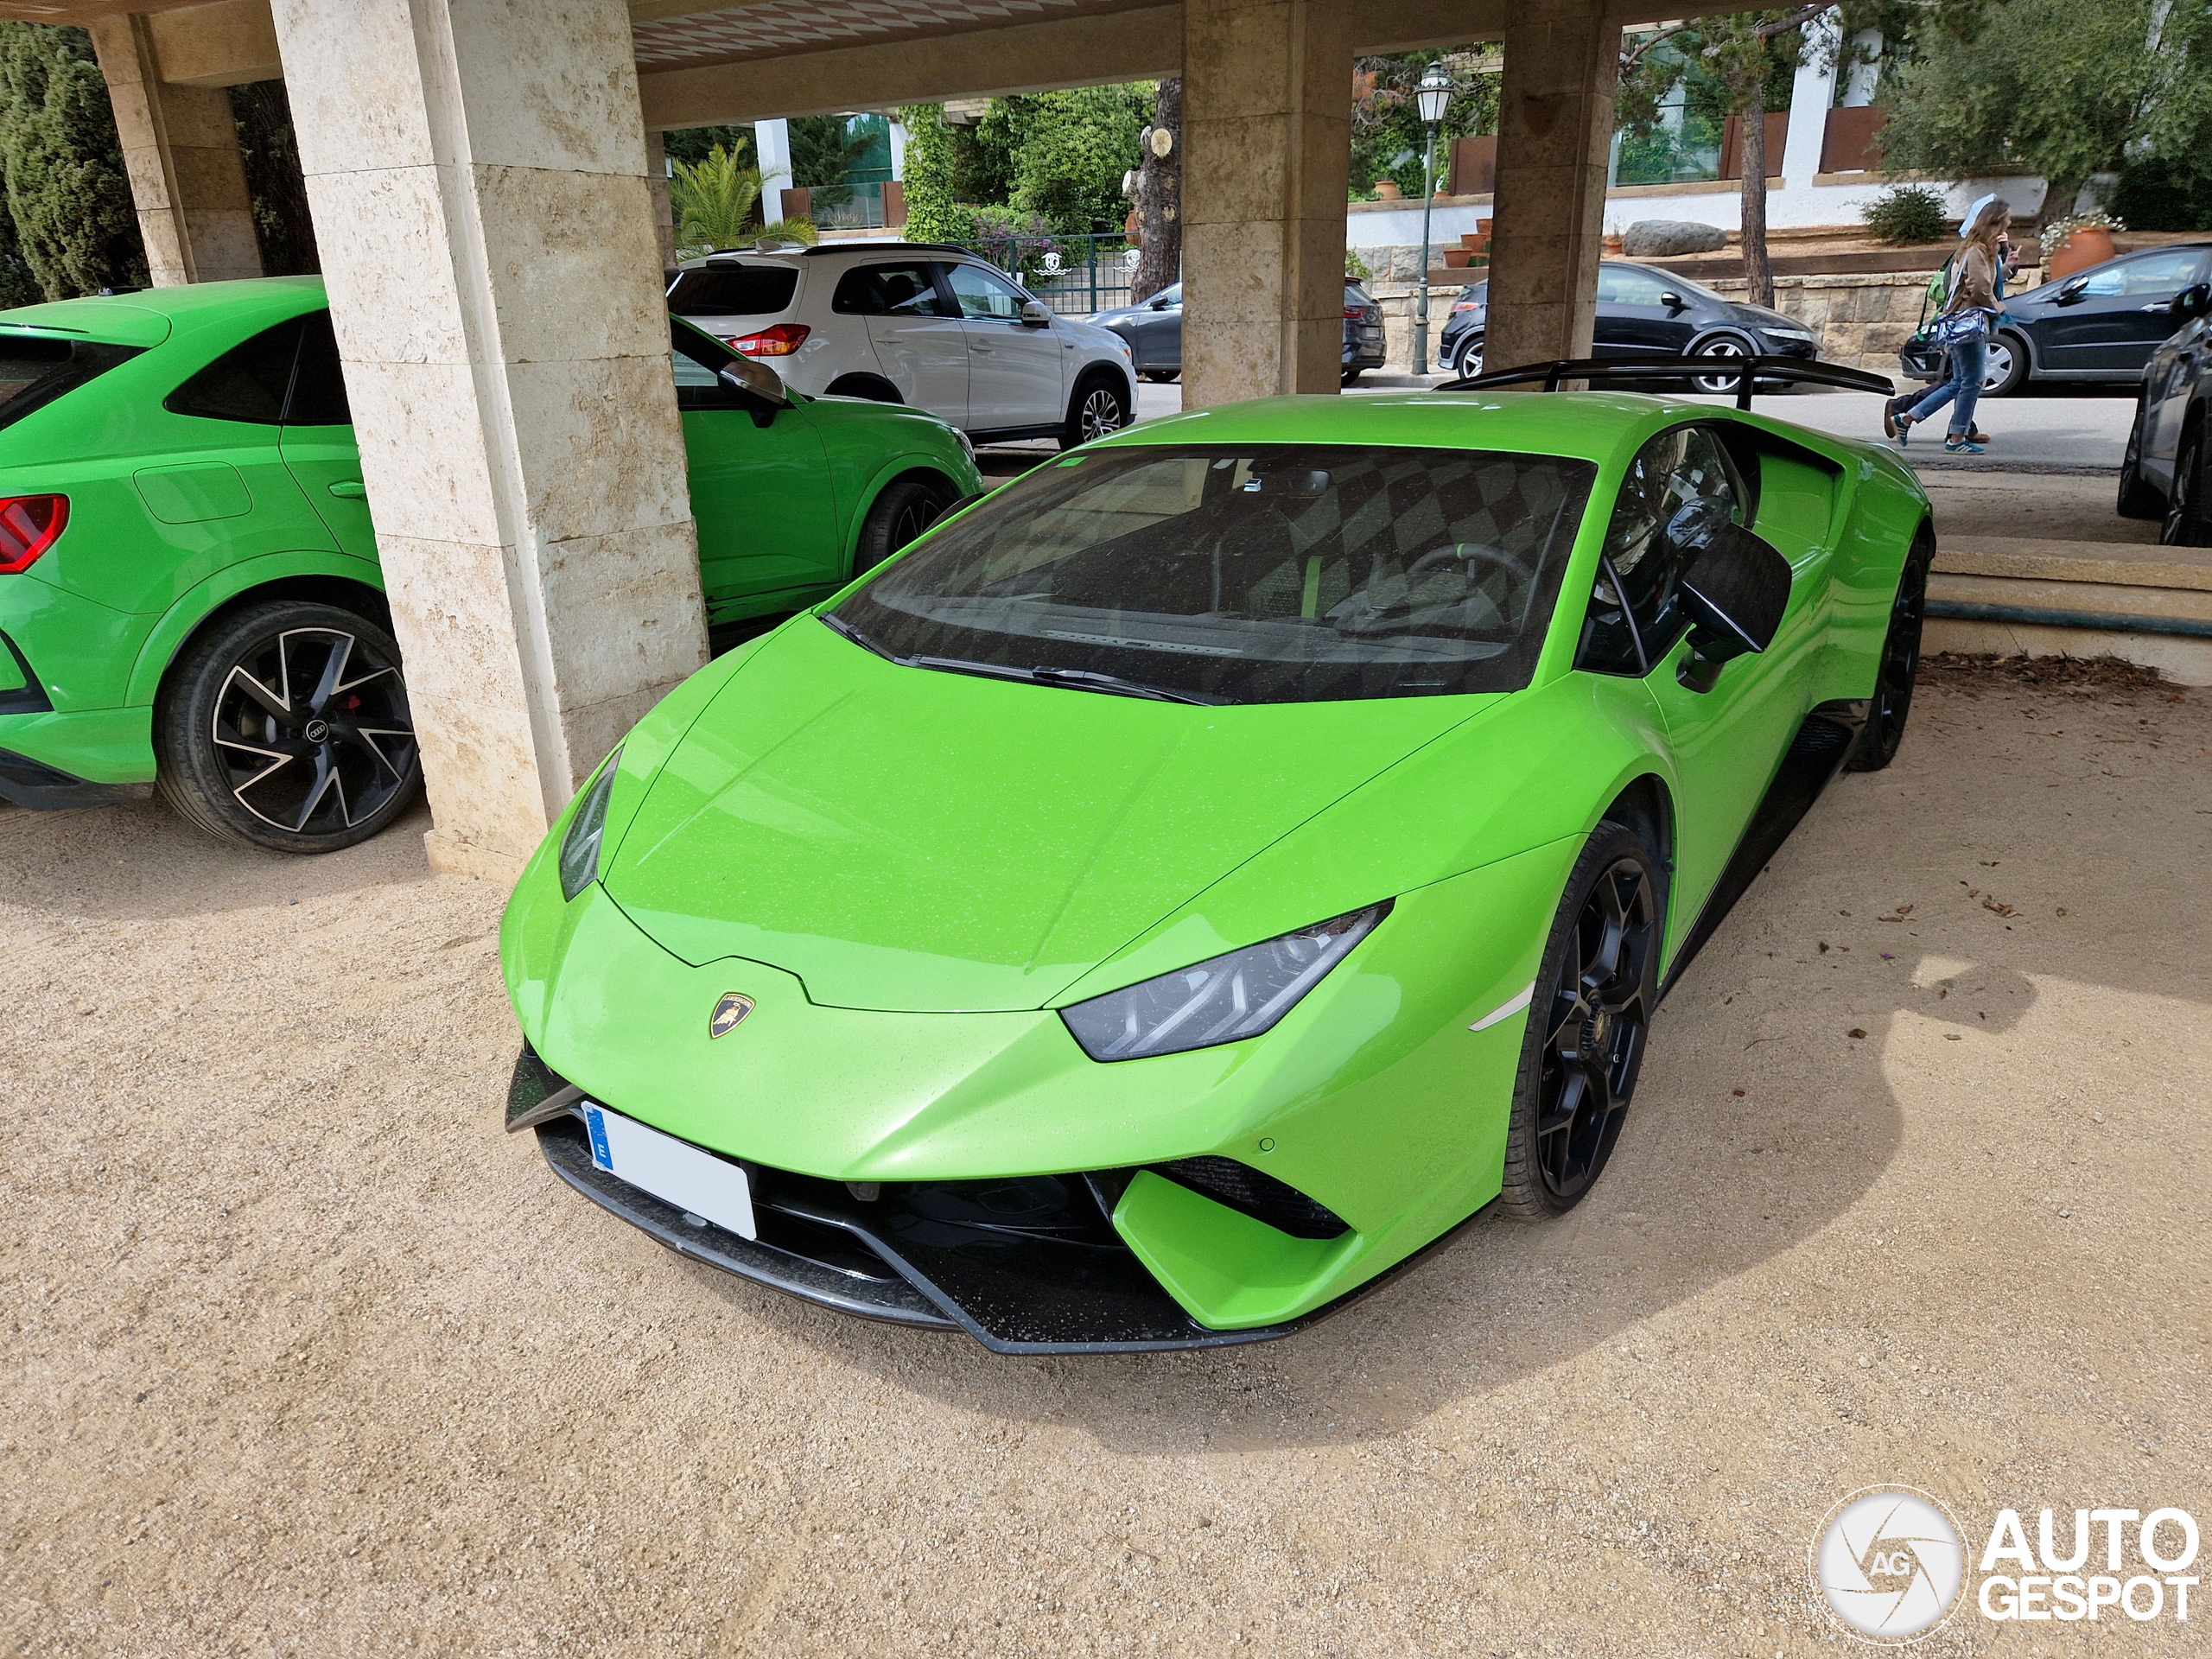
pixel 2097 325
pixel 2168 468
pixel 1187 884
pixel 910 322
pixel 189 588
pixel 1154 330
pixel 1648 312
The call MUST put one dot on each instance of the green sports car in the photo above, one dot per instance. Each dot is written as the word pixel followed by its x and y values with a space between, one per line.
pixel 1195 877
pixel 189 590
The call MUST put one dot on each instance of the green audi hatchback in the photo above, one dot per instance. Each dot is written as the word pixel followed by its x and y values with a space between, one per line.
pixel 189 590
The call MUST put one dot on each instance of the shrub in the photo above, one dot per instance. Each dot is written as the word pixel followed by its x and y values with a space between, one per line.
pixel 67 193
pixel 1906 214
pixel 2160 193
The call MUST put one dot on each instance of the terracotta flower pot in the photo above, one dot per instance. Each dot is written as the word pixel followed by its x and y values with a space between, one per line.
pixel 2088 246
pixel 1386 190
pixel 1612 244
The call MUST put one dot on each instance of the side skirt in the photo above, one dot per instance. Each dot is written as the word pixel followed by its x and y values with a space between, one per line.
pixel 40 787
pixel 1829 735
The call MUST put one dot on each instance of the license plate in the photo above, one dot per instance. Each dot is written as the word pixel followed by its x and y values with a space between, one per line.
pixel 671 1170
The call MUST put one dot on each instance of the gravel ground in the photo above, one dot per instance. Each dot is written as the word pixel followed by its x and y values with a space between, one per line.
pixel 303 1356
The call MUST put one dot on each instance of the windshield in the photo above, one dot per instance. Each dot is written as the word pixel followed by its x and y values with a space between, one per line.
pixel 1256 574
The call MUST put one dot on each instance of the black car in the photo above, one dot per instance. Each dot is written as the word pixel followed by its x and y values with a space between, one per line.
pixel 1644 311
pixel 1154 328
pixel 2101 324
pixel 2168 468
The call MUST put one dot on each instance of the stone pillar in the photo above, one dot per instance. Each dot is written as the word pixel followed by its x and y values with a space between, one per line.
pixel 477 173
pixel 181 149
pixel 1267 141
pixel 1556 129
pixel 663 202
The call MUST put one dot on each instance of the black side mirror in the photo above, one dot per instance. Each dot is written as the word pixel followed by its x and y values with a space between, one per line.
pixel 759 392
pixel 2072 291
pixel 1672 301
pixel 2192 301
pixel 1158 305
pixel 1735 593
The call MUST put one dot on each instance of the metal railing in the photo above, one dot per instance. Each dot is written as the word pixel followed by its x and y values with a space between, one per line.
pixel 1073 275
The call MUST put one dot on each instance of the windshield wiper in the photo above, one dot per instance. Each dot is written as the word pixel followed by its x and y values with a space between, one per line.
pixel 838 624
pixel 1082 679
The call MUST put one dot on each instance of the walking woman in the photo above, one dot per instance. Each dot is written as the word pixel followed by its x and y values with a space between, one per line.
pixel 1975 306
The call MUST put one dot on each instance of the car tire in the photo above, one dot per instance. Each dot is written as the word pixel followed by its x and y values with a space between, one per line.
pixel 1350 377
pixel 1163 377
pixel 1898 670
pixel 1724 345
pixel 2007 369
pixel 2138 498
pixel 906 508
pixel 1469 362
pixel 1101 405
pixel 1589 1013
pixel 2186 522
pixel 286 727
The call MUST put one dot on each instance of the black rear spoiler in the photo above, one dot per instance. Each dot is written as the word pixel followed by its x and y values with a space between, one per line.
pixel 1746 371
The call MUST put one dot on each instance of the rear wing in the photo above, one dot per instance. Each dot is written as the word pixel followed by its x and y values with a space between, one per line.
pixel 1745 371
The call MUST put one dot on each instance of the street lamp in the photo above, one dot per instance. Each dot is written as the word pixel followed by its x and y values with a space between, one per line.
pixel 1433 96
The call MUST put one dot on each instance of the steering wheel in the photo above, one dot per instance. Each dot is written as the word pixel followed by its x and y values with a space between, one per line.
pixel 1469 551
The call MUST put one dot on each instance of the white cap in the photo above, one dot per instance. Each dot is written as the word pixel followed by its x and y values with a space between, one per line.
pixel 1975 212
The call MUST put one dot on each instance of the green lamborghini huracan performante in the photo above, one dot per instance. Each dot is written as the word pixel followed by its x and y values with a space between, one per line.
pixel 1193 880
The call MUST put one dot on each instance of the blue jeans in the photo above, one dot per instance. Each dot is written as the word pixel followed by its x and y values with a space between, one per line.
pixel 1969 359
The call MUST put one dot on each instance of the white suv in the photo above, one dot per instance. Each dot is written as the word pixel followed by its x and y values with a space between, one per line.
pixel 911 322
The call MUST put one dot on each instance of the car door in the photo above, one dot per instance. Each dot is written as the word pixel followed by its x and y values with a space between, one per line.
pixel 2109 321
pixel 1157 332
pixel 2169 382
pixel 318 441
pixel 1015 377
pixel 1727 741
pixel 914 331
pixel 1633 317
pixel 768 517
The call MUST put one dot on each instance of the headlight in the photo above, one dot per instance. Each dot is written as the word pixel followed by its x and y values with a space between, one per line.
pixel 580 847
pixel 1221 1000
pixel 966 443
pixel 1790 333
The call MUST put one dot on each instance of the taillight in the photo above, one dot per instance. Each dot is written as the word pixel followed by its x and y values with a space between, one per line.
pixel 1466 305
pixel 29 526
pixel 1353 314
pixel 781 341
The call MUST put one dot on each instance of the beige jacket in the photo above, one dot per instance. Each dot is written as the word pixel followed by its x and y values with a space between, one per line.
pixel 1975 285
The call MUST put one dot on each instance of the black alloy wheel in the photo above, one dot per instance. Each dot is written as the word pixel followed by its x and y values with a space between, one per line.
pixel 1900 670
pixel 906 508
pixel 287 727
pixel 1589 1015
pixel 2184 525
pixel 1719 345
pixel 2137 498
pixel 1100 406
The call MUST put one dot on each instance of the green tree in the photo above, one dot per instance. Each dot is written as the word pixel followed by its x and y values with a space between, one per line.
pixel 270 151
pixel 696 144
pixel 718 203
pixel 1387 134
pixel 935 211
pixel 68 194
pixel 2062 89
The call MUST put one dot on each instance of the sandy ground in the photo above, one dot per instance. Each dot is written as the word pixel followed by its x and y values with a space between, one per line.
pixel 303 1356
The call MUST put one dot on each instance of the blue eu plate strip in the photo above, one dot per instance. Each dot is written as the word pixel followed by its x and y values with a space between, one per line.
pixel 597 1124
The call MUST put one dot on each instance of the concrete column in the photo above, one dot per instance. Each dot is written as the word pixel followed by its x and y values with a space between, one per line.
pixel 1556 129
pixel 181 149
pixel 1810 94
pixel 477 174
pixel 897 151
pixel 663 202
pixel 1267 138
pixel 771 153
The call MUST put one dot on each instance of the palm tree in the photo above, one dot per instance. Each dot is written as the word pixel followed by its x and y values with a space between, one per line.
pixel 716 202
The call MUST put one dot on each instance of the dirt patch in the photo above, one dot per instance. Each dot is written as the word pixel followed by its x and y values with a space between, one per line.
pixel 303 1356
pixel 2115 678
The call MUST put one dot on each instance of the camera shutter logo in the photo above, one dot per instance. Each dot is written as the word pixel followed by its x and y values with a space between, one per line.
pixel 1888 1563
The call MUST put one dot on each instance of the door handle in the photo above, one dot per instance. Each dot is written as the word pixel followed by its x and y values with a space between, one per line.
pixel 350 489
pixel 978 345
pixel 2155 305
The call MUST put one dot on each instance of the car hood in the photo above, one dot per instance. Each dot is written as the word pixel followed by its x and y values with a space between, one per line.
pixel 905 839
pixel 1761 316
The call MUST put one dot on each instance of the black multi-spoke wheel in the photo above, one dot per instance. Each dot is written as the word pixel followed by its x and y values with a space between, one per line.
pixel 287 727
pixel 1900 669
pixel 904 511
pixel 2187 523
pixel 1588 1015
